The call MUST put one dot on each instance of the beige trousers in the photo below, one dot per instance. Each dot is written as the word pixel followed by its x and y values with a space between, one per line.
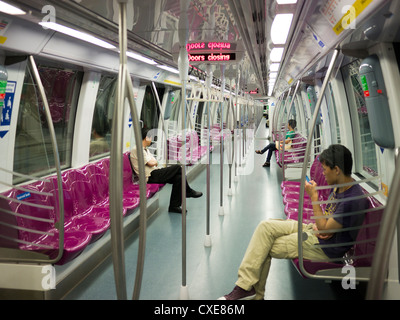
pixel 273 239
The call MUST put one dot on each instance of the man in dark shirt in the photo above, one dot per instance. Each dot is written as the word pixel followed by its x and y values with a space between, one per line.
pixel 279 238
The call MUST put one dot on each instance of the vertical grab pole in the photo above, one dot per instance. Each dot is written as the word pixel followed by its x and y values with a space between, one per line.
pixel 306 159
pixel 207 241
pixel 56 159
pixel 143 191
pixel 117 239
pixel 231 143
pixel 183 65
pixel 221 156
pixel 285 132
pixel 236 125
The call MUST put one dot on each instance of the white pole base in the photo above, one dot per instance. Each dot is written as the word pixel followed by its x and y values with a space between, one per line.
pixel 184 293
pixel 221 211
pixel 230 193
pixel 236 179
pixel 207 241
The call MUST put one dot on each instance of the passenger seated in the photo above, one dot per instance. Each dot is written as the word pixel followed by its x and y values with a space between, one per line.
pixel 274 145
pixel 171 174
pixel 278 238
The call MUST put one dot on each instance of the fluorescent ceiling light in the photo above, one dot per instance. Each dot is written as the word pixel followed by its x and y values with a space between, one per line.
pixel 286 1
pixel 140 58
pixel 9 9
pixel 274 67
pixel 170 69
pixel 273 75
pixel 280 28
pixel 276 54
pixel 77 34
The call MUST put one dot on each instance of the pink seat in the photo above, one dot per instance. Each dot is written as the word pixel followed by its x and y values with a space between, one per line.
pixel 45 238
pixel 86 210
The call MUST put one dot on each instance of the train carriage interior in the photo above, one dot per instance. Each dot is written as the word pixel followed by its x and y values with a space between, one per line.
pixel 214 82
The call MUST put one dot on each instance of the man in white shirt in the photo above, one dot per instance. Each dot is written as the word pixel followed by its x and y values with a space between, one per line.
pixel 171 174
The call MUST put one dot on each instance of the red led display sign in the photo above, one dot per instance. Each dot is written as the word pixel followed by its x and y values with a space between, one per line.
pixel 211 57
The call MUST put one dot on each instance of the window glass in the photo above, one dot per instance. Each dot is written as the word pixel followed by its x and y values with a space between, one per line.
pixel 33 152
pixel 335 129
pixel 357 102
pixel 301 124
pixel 100 141
pixel 173 105
pixel 150 112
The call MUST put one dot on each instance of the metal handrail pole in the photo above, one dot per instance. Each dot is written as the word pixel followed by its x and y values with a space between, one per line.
pixel 221 149
pixel 115 184
pixel 232 145
pixel 274 126
pixel 183 148
pixel 280 161
pixel 56 161
pixel 183 66
pixel 117 240
pixel 142 189
pixel 285 132
pixel 236 122
pixel 153 86
pixel 386 233
pixel 207 242
pixel 304 169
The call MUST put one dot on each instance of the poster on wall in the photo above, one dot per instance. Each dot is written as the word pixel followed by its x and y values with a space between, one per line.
pixel 5 117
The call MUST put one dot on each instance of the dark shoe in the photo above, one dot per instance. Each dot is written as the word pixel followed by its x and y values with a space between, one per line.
pixel 258 152
pixel 240 294
pixel 175 209
pixel 267 164
pixel 194 194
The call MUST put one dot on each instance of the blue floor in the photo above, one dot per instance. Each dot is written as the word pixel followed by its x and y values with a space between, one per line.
pixel 211 272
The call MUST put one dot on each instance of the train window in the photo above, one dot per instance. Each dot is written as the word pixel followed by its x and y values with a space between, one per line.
pixel 33 152
pixel 199 114
pixel 335 129
pixel 173 105
pixel 102 117
pixel 150 113
pixel 301 124
pixel 362 131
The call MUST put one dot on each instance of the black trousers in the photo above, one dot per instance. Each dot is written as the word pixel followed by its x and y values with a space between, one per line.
pixel 270 148
pixel 172 175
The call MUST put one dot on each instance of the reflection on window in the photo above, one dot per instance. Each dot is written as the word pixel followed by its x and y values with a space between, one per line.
pixel 150 113
pixel 33 152
pixel 368 149
pixel 102 117
pixel 333 115
pixel 172 106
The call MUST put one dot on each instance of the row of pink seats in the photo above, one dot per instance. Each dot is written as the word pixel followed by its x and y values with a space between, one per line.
pixel 365 242
pixel 295 154
pixel 215 132
pixel 194 151
pixel 291 192
pixel 86 210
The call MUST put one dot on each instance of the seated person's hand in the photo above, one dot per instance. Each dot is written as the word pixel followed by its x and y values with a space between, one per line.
pixel 311 191
pixel 323 236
